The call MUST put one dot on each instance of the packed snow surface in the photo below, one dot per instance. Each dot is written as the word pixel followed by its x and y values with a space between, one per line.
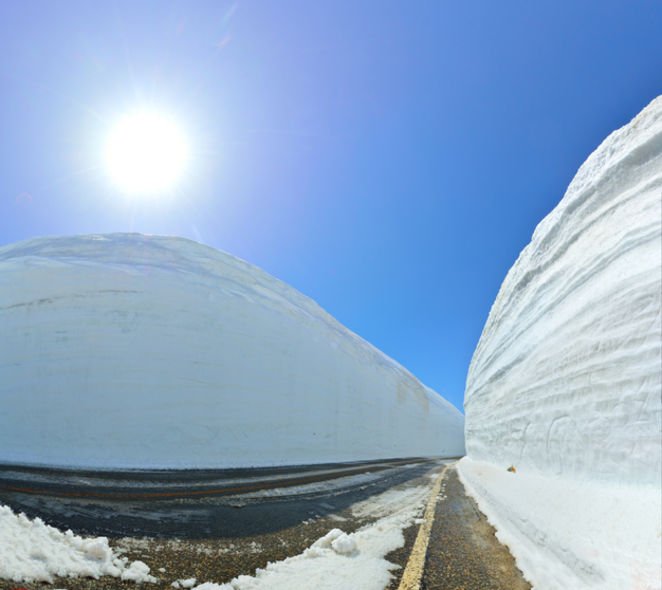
pixel 565 384
pixel 572 534
pixel 566 377
pixel 32 551
pixel 124 350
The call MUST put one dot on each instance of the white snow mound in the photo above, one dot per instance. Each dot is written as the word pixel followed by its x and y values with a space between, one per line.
pixel 32 551
pixel 132 351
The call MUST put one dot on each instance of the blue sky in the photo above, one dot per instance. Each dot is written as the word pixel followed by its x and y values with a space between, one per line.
pixel 388 159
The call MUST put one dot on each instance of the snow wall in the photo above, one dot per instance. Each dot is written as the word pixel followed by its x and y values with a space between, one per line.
pixel 129 351
pixel 566 377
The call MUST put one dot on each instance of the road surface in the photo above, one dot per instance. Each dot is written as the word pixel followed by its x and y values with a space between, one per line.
pixel 215 537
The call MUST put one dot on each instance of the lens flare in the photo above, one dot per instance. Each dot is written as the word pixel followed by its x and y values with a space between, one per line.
pixel 146 153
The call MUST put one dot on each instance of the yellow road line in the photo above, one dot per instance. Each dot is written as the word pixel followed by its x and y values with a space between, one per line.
pixel 411 577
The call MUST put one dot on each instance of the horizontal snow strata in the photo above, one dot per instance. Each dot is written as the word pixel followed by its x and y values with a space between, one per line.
pixel 129 351
pixel 566 378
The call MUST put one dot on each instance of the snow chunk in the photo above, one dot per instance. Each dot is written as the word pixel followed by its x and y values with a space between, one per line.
pixel 187 583
pixel 335 539
pixel 33 551
pixel 138 572
pixel 344 545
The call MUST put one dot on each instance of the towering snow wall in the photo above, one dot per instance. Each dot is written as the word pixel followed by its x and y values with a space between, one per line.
pixel 566 376
pixel 132 351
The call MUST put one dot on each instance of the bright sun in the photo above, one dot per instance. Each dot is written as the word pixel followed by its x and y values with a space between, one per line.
pixel 146 153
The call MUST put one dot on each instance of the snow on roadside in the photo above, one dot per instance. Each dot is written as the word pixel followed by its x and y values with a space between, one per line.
pixel 341 560
pixel 568 533
pixel 390 501
pixel 187 583
pixel 33 551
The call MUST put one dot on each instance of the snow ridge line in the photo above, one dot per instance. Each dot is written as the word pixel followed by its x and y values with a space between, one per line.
pixel 413 574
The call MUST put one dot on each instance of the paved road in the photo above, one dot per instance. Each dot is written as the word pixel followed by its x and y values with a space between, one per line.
pixel 218 537
pixel 198 505
pixel 147 485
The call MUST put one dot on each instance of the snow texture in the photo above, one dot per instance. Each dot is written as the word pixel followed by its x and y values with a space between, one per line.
pixel 572 534
pixel 565 384
pixel 566 377
pixel 341 560
pixel 132 351
pixel 32 551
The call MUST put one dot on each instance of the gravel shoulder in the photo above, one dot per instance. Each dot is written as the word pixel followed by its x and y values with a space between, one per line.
pixel 463 552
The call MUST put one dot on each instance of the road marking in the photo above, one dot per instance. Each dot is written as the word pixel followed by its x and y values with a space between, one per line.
pixel 413 574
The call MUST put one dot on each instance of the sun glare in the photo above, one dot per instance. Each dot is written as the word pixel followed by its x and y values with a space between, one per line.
pixel 146 153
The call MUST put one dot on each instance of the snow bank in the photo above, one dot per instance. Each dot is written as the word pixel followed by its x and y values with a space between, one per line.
pixel 571 534
pixel 341 560
pixel 32 551
pixel 125 350
pixel 566 377
pixel 565 384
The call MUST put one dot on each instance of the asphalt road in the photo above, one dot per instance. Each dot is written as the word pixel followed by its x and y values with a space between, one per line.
pixel 147 485
pixel 217 537
pixel 197 504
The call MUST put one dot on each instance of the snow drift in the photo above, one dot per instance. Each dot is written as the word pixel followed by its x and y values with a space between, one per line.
pixel 129 351
pixel 565 383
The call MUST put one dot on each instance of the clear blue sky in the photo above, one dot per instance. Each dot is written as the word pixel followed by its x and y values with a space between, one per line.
pixel 388 159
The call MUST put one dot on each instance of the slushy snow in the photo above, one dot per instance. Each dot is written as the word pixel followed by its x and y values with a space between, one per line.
pixel 565 383
pixel 32 551
pixel 132 351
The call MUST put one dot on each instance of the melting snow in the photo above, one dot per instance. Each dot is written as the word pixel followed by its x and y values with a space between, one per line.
pixel 341 560
pixel 33 551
